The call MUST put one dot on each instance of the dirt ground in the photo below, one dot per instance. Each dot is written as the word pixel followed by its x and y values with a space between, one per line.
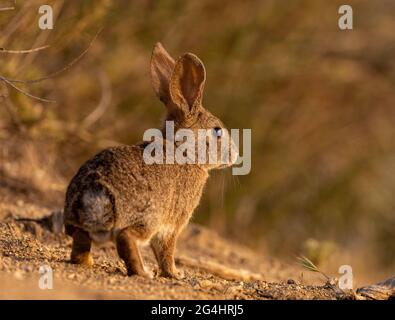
pixel 214 268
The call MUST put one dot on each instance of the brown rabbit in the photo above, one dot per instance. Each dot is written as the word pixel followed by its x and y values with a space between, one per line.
pixel 117 196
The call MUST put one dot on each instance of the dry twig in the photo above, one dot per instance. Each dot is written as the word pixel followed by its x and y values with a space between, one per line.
pixel 218 269
pixel 104 103
pixel 58 72
pixel 25 92
pixel 11 82
pixel 2 50
pixel 9 8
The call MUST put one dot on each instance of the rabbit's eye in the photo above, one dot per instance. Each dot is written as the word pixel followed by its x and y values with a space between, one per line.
pixel 217 132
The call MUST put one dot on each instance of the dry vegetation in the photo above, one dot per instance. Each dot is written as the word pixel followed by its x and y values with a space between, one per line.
pixel 320 104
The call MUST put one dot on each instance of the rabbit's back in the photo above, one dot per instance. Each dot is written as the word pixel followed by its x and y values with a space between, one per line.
pixel 117 189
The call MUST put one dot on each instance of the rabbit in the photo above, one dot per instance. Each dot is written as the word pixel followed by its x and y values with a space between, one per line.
pixel 116 196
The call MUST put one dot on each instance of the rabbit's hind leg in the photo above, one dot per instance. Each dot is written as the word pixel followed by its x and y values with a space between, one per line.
pixel 128 251
pixel 80 253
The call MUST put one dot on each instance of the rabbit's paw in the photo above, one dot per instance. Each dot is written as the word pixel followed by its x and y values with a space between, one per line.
pixel 84 259
pixel 148 274
pixel 142 273
pixel 173 274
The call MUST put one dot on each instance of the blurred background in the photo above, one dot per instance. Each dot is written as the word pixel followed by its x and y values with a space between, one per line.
pixel 320 103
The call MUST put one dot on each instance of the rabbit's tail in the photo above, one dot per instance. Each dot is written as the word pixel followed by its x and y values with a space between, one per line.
pixel 96 213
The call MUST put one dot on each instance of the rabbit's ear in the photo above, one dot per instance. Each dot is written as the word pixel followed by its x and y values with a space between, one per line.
pixel 187 83
pixel 162 65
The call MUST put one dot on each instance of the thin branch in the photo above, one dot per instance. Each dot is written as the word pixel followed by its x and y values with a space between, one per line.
pixel 58 72
pixel 2 50
pixel 104 103
pixel 12 82
pixel 219 269
pixel 9 8
pixel 10 108
pixel 25 92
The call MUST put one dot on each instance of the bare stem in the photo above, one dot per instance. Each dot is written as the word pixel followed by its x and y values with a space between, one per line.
pixel 2 50
pixel 58 72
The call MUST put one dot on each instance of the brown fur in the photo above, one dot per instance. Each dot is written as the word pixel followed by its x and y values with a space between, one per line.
pixel 80 253
pixel 117 195
pixel 128 251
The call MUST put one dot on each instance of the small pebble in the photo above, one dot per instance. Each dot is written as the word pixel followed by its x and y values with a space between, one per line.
pixel 18 275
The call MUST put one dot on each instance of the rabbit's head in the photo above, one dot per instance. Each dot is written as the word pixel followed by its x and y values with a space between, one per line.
pixel 179 85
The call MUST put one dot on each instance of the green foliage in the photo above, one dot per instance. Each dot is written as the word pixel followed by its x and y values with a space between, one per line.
pixel 309 265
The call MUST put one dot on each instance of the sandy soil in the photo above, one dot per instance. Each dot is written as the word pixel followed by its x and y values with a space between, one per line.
pixel 215 268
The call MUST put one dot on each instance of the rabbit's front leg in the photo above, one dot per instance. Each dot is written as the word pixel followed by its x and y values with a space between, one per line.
pixel 128 251
pixel 163 246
